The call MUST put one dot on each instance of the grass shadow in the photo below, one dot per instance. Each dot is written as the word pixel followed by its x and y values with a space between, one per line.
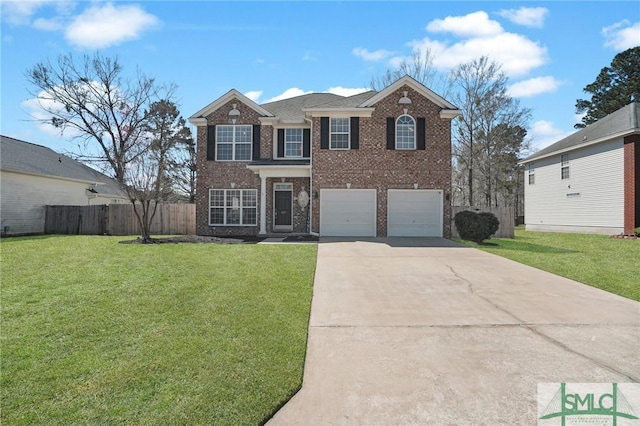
pixel 528 247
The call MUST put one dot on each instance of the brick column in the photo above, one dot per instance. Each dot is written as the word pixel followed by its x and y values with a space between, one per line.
pixel 631 178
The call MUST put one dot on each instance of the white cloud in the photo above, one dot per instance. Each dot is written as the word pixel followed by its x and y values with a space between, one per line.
pixel 289 93
pixel 527 16
pixel 36 109
pixel 346 91
pixel 254 95
pixel 376 55
pixel 53 24
pixel 543 133
pixel 517 54
pixel 534 86
pixel 105 25
pixel 476 24
pixel 622 35
pixel 20 12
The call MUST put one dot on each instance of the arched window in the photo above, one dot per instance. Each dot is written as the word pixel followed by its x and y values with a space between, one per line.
pixel 405 132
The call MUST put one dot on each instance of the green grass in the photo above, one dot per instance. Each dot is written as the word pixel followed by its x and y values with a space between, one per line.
pixel 597 260
pixel 96 332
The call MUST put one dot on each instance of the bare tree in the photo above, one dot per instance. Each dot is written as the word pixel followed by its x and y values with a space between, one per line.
pixel 123 124
pixel 488 128
pixel 93 102
pixel 183 168
pixel 419 66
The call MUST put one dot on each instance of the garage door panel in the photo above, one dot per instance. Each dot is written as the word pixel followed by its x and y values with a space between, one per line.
pixel 347 213
pixel 414 213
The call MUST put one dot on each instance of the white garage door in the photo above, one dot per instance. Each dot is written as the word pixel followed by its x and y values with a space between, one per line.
pixel 348 212
pixel 414 213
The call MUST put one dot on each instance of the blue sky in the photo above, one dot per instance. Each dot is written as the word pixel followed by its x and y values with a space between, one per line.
pixel 267 50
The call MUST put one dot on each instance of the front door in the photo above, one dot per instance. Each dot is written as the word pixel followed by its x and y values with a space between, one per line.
pixel 282 206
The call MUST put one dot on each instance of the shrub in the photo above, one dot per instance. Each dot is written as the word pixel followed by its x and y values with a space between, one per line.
pixel 476 227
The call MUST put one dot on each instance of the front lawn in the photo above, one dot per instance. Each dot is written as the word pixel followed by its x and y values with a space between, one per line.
pixel 96 332
pixel 597 260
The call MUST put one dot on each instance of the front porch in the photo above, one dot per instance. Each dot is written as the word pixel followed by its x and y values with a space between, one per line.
pixel 284 196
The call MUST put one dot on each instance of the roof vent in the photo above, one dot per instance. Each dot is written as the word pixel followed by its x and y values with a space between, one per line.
pixel 404 100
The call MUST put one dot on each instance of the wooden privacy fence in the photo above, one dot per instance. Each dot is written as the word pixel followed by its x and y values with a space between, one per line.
pixel 504 214
pixel 118 219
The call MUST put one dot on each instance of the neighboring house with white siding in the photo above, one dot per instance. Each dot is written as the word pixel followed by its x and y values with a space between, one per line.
pixel 33 176
pixel 588 182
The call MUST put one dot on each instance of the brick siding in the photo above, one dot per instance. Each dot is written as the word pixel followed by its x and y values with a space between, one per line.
pixel 374 166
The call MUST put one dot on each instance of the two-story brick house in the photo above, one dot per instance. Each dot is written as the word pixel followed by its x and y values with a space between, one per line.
pixel 372 164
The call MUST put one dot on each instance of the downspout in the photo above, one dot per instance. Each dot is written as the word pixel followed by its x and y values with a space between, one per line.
pixel 310 221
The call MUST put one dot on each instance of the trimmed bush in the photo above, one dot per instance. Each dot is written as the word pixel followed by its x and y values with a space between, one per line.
pixel 476 227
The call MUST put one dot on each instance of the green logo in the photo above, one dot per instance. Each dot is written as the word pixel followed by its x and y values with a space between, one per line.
pixel 588 400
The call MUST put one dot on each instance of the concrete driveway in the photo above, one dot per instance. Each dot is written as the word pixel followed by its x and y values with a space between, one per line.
pixel 424 331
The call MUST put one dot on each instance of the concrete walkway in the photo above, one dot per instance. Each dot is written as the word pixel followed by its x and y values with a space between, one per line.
pixel 427 332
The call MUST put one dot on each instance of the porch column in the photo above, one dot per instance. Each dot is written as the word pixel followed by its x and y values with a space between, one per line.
pixel 263 204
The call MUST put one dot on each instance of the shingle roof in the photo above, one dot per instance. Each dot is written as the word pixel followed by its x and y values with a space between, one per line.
pixel 622 122
pixel 26 157
pixel 349 102
pixel 291 109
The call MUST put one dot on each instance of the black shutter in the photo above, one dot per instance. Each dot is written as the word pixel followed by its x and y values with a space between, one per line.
pixel 306 143
pixel 355 132
pixel 391 133
pixel 420 134
pixel 280 153
pixel 256 141
pixel 211 143
pixel 324 132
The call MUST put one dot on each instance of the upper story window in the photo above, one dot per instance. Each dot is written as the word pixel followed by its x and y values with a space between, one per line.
pixel 293 143
pixel 532 174
pixel 405 132
pixel 233 142
pixel 564 170
pixel 339 133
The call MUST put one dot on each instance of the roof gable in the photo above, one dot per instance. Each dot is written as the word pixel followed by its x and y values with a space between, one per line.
pixel 414 84
pixel 622 122
pixel 222 100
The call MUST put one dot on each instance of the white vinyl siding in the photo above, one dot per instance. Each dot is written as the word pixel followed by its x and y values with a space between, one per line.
pixel 24 197
pixel 591 201
pixel 348 212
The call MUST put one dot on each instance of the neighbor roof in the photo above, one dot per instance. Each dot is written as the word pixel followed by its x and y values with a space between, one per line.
pixel 620 123
pixel 25 157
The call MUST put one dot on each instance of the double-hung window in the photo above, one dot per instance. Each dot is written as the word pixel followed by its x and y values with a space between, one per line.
pixel 405 132
pixel 564 166
pixel 233 207
pixel 339 133
pixel 233 142
pixel 293 143
pixel 532 174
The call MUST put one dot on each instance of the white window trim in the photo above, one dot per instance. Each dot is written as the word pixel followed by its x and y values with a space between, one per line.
pixel 233 144
pixel 225 207
pixel 565 165
pixel 301 144
pixel 531 173
pixel 348 133
pixel 415 145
